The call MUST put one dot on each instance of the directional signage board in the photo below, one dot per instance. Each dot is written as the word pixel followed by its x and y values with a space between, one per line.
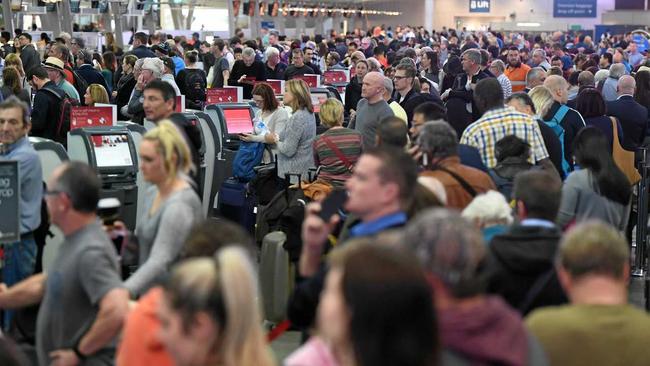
pixel 9 201
pixel 575 8
pixel 479 6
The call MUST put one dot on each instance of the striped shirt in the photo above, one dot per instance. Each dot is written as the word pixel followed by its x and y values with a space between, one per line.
pixel 498 123
pixel 333 169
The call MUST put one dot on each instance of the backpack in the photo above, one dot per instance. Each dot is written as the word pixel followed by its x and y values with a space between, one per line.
pixel 555 124
pixel 248 156
pixel 63 122
pixel 195 84
pixel 80 84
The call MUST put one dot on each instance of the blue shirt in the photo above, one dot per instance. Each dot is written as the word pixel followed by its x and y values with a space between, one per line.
pixel 375 226
pixel 31 183
pixel 179 64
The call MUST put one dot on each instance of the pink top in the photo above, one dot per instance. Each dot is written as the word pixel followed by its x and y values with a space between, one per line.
pixel 313 353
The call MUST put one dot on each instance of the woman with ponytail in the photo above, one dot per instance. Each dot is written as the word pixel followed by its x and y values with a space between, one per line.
pixel 599 189
pixel 210 314
pixel 171 206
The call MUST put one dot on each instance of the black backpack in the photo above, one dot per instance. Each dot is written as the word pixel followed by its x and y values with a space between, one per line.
pixel 63 122
pixel 195 84
pixel 80 84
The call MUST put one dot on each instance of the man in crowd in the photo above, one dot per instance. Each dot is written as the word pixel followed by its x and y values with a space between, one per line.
pixel 20 256
pixel 474 328
pixel 274 67
pixel 606 60
pixel 297 66
pixel 140 48
pixel 56 73
pixel 167 74
pixel 460 101
pixel 220 72
pixel 4 39
pixel 558 51
pixel 372 108
pixel 28 54
pixel 309 57
pixel 534 77
pixel 499 121
pixel 516 70
pixel 523 256
pixel 86 70
pixel 398 111
pixel 539 59
pixel 379 192
pixel 83 303
pixel 633 55
pixel 610 87
pixel 632 115
pixel 438 144
pixel 570 120
pixel 61 52
pixel 246 71
pixel 407 97
pixel 46 108
pixel 593 266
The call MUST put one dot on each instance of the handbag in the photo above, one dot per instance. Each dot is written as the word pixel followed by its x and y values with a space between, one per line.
pixel 624 159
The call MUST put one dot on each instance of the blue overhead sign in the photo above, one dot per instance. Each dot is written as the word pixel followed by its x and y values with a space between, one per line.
pixel 574 8
pixel 641 41
pixel 479 6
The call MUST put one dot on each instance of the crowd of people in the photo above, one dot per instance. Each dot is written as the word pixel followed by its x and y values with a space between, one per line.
pixel 488 213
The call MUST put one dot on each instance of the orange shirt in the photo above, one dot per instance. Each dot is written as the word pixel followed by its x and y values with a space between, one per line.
pixel 517 77
pixel 140 344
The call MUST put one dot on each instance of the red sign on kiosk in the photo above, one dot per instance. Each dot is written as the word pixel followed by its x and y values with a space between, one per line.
pixel 331 77
pixel 228 94
pixel 277 85
pixel 81 117
pixel 312 80
pixel 238 120
pixel 180 104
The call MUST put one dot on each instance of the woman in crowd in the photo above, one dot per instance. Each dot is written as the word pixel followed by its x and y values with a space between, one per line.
pixel 376 309
pixel 12 85
pixel 599 190
pixel 642 92
pixel 353 89
pixel 337 150
pixel 294 142
pixel 210 312
pixel 171 206
pixel 95 93
pixel 13 59
pixel 490 212
pixel 111 45
pixel 125 85
pixel 429 66
pixel 451 69
pixel 192 81
pixel 425 86
pixel 513 156
pixel 270 113
pixel 374 65
pixel 592 107
pixel 108 70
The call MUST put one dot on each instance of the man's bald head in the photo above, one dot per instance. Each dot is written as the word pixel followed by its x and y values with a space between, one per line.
pixel 373 87
pixel 558 87
pixel 626 85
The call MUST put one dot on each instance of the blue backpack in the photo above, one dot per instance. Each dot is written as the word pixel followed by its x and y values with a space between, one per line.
pixel 248 156
pixel 556 126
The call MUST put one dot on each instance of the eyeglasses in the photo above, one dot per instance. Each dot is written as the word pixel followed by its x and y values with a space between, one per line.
pixel 52 192
pixel 396 77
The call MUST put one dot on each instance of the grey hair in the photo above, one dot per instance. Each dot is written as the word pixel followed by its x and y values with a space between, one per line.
pixel 616 71
pixel 449 247
pixel 539 50
pixel 271 51
pixel 499 65
pixel 388 85
pixel 438 139
pixel 474 55
pixel 248 52
pixel 533 74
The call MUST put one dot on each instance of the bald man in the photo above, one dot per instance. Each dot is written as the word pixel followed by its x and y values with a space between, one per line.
pixel 632 115
pixel 372 108
pixel 568 119
pixel 534 77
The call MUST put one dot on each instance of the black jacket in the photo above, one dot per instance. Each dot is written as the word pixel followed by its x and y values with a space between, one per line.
pixel 46 112
pixel 92 76
pixel 553 146
pixel 519 258
pixel 29 57
pixel 572 124
pixel 142 52
pixel 634 120
pixel 352 94
pixel 124 88
pixel 256 70
pixel 293 71
pixel 458 91
pixel 414 99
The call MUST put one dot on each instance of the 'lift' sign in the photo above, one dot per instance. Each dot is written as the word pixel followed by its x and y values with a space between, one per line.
pixel 479 6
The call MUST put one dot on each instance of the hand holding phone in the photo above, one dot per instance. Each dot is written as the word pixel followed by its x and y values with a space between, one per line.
pixel 332 204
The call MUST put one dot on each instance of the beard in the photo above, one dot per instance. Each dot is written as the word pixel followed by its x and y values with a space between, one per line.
pixel 515 64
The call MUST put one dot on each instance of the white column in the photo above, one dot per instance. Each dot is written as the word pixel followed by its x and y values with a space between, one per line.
pixel 428 15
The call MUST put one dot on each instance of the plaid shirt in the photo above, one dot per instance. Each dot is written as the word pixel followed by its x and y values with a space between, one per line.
pixel 498 123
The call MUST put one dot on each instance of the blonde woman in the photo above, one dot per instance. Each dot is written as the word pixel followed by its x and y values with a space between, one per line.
pixel 294 142
pixel 171 205
pixel 95 93
pixel 210 312
pixel 337 150
pixel 13 59
pixel 538 103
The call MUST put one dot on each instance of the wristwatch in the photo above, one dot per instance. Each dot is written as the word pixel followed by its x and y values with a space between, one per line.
pixel 78 353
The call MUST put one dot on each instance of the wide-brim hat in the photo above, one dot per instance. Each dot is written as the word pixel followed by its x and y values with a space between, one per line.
pixel 54 63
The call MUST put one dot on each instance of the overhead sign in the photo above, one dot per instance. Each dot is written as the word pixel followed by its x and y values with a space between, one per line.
pixel 479 6
pixel 9 201
pixel 641 40
pixel 575 8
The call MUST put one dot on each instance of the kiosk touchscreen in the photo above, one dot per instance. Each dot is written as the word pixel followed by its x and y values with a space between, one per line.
pixel 235 119
pixel 112 151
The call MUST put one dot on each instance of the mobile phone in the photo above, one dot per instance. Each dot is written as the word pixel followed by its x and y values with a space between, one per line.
pixel 332 204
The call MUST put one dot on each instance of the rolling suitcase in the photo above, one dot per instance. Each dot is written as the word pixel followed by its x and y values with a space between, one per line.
pixel 236 204
pixel 276 277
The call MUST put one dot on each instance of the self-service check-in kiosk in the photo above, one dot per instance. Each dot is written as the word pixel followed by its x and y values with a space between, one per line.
pixel 137 132
pixel 51 154
pixel 214 165
pixel 110 150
